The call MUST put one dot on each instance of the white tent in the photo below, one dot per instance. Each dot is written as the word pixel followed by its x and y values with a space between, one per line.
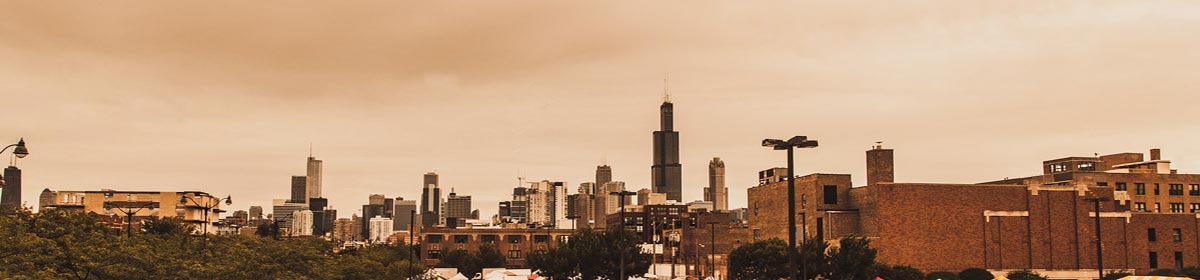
pixel 1154 278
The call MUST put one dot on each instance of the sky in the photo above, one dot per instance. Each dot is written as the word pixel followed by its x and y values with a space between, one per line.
pixel 227 96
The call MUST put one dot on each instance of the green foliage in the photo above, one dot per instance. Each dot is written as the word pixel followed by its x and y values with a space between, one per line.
pixel 975 274
pixel 267 230
pixel 489 256
pixel 1165 272
pixel 851 259
pixel 812 259
pixel 466 263
pixel 899 272
pixel 169 225
pixel 1024 275
pixel 593 255
pixel 765 259
pixel 67 245
pixel 941 275
pixel 1114 275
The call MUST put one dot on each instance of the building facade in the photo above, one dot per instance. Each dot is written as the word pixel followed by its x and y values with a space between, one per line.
pixel 431 200
pixel 313 178
pixel 405 213
pixel 299 189
pixel 666 173
pixel 163 204
pixel 514 243
pixel 302 223
pixel 716 191
pixel 380 229
pixel 10 195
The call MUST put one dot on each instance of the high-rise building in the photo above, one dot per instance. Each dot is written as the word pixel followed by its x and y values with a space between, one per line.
pixel 317 205
pixel 302 223
pixel 389 207
pixel 666 173
pixel 431 199
pixel 11 195
pixel 313 180
pixel 607 203
pixel 380 229
pixel 403 213
pixel 282 210
pixel 603 175
pixel 539 203
pixel 373 209
pixel 327 217
pixel 458 206
pixel 647 197
pixel 375 199
pixel 557 198
pixel 256 213
pixel 345 229
pixel 299 189
pixel 716 191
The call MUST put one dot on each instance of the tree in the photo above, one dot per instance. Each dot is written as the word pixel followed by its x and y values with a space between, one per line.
pixel 167 226
pixel 766 259
pixel 975 274
pixel 489 256
pixel 851 259
pixel 1024 275
pixel 941 275
pixel 904 272
pixel 267 230
pixel 466 263
pixel 812 260
pixel 593 255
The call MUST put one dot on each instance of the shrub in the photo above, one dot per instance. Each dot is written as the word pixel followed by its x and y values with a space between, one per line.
pixel 975 274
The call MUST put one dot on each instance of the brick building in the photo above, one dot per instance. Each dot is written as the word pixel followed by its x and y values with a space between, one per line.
pixel 1043 223
pixel 514 243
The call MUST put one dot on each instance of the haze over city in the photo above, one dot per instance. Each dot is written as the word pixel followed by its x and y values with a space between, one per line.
pixel 228 100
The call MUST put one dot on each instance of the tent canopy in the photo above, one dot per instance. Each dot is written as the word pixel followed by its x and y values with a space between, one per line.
pixel 1154 278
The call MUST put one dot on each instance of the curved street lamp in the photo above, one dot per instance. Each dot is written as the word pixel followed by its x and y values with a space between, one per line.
pixel 790 145
pixel 208 205
pixel 20 151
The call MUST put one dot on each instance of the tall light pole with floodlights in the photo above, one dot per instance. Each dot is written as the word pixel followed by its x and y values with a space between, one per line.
pixel 790 145
pixel 127 207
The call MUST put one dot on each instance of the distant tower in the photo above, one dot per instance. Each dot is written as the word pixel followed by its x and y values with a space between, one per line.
pixel 666 173
pixel 431 200
pixel 11 197
pixel 313 182
pixel 299 189
pixel 603 175
pixel 716 191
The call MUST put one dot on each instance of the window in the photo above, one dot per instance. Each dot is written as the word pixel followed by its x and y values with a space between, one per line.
pixel 1195 207
pixel 514 254
pixel 541 238
pixel 1086 166
pixel 1120 186
pixel 435 254
pixel 1175 189
pixel 1150 235
pixel 1176 207
pixel 434 238
pixel 1176 235
pixel 1153 260
pixel 1058 167
pixel 1156 189
pixel 514 239
pixel 1139 206
pixel 1194 189
pixel 1178 260
pixel 461 239
pixel 1139 188
pixel 1157 208
pixel 830 194
pixel 488 239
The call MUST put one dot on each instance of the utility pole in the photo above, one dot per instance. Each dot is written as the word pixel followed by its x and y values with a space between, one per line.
pixel 1099 245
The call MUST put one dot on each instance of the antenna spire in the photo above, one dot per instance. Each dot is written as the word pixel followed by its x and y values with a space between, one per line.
pixel 667 89
pixel 309 149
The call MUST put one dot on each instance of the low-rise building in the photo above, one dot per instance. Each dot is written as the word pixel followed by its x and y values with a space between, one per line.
pixel 514 243
pixel 189 206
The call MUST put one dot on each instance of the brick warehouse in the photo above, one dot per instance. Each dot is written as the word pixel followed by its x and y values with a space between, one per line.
pixel 1041 222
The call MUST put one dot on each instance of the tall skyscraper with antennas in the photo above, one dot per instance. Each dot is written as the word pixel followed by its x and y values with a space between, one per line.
pixel 666 174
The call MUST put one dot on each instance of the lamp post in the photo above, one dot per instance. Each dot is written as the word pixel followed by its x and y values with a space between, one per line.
pixel 621 199
pixel 129 208
pixel 412 245
pixel 20 151
pixel 1099 245
pixel 207 204
pixel 712 255
pixel 790 145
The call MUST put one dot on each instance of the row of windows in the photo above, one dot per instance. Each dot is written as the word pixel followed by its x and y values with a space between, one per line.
pixel 1140 188
pixel 462 239
pixel 1176 235
pixel 1178 260
pixel 437 254
pixel 1175 207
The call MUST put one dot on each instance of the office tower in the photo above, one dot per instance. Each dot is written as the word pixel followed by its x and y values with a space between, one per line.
pixel 317 205
pixel 389 207
pixel 375 199
pixel 540 203
pixel 327 217
pixel 403 213
pixel 240 215
pixel 557 197
pixel 431 199
pixel 11 195
pixel 302 221
pixel 313 182
pixel 458 206
pixel 299 189
pixel 345 229
pixel 666 173
pixel 603 175
pixel 357 227
pixel 608 203
pixel 380 229
pixel 282 210
pixel 372 210
pixel 585 203
pixel 256 213
pixel 518 208
pixel 716 191
pixel 648 197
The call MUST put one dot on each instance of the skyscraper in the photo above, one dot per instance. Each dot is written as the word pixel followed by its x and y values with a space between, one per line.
pixel 666 173
pixel 431 200
pixel 379 229
pixel 11 197
pixel 458 206
pixel 299 189
pixel 403 213
pixel 255 213
pixel 558 203
pixel 302 221
pixel 313 182
pixel 603 175
pixel 716 191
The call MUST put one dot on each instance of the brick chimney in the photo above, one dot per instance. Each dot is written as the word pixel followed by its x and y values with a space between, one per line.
pixel 880 167
pixel 1155 154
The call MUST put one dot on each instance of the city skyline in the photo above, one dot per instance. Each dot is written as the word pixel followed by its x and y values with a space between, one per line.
pixel 966 92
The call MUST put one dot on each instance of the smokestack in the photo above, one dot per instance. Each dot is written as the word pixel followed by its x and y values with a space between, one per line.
pixel 880 166
pixel 1155 154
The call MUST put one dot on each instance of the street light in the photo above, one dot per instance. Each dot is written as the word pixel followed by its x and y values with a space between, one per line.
pixel 20 151
pixel 1099 255
pixel 208 206
pixel 621 200
pixel 129 208
pixel 790 145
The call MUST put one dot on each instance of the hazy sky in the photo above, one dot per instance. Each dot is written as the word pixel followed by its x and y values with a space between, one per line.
pixel 225 96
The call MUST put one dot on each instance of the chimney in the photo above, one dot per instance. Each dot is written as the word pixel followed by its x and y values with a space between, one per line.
pixel 880 167
pixel 1155 154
